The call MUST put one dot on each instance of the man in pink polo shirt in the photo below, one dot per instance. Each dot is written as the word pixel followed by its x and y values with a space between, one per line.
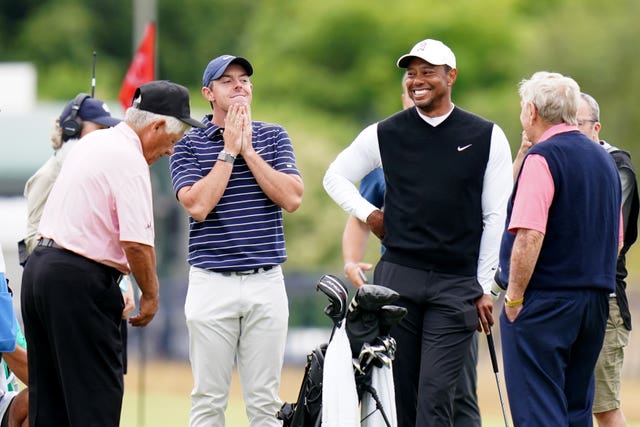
pixel 558 258
pixel 96 226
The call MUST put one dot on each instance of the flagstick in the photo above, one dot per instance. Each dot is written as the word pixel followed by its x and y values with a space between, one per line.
pixel 93 75
pixel 142 370
pixel 141 381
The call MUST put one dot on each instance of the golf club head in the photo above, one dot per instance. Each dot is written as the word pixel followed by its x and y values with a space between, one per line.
pixel 366 356
pixel 380 354
pixel 390 345
pixel 337 293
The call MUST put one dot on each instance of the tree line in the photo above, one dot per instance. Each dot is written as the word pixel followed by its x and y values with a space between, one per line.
pixel 326 69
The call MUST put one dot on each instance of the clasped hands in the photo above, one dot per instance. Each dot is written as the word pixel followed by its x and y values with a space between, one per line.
pixel 237 129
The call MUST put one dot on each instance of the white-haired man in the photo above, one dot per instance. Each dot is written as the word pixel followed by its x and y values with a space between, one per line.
pixel 97 225
pixel 558 258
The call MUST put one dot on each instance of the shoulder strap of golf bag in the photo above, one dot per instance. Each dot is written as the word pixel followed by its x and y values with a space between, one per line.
pixel 307 410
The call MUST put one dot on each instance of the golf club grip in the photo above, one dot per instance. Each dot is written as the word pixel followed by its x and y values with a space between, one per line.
pixel 492 352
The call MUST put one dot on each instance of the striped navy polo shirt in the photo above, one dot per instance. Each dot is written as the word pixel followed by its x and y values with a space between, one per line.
pixel 245 229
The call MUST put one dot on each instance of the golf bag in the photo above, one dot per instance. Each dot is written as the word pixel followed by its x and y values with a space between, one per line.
pixel 366 322
pixel 307 410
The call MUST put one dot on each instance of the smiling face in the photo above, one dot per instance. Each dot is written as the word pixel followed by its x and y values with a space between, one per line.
pixel 234 86
pixel 429 86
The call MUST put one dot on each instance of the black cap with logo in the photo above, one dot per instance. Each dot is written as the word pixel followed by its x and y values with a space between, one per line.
pixel 165 98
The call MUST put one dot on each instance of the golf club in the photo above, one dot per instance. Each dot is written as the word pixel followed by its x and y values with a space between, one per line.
pixel 337 292
pixel 494 362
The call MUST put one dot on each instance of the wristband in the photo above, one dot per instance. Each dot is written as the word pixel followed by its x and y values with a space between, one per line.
pixel 512 302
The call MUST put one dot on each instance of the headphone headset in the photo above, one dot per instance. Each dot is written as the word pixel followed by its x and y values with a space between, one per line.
pixel 72 125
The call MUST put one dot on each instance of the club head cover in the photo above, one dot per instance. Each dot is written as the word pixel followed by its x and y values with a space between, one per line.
pixel 390 315
pixel 337 293
pixel 362 327
pixel 372 297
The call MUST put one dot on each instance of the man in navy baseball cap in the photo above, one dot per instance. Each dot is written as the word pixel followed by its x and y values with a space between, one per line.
pixel 218 65
pixel 91 110
pixel 217 175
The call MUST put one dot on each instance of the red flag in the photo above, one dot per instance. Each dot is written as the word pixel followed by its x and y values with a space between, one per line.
pixel 142 68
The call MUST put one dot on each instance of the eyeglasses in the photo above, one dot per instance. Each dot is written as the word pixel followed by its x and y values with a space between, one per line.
pixel 583 122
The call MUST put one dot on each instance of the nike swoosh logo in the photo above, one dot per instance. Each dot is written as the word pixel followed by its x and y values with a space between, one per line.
pixel 464 148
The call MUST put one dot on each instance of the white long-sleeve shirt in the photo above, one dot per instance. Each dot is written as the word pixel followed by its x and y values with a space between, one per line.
pixel 363 155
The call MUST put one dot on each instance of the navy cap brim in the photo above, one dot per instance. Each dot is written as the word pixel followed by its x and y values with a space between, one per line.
pixel 105 121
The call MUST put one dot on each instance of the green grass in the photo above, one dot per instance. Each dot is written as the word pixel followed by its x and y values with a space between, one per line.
pixel 165 409
pixel 166 402
pixel 170 410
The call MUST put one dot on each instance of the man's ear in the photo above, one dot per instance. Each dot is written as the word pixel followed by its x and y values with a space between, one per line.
pixel 453 75
pixel 597 127
pixel 532 113
pixel 207 94
pixel 159 125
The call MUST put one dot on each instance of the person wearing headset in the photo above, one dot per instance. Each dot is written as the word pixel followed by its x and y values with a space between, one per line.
pixel 80 116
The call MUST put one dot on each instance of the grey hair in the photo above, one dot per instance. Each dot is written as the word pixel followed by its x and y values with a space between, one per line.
pixel 141 118
pixel 593 106
pixel 555 96
pixel 56 135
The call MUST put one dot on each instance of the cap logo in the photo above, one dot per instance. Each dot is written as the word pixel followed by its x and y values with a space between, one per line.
pixel 422 45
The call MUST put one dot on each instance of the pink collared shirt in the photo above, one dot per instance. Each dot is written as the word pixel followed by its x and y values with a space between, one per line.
pixel 101 198
pixel 536 189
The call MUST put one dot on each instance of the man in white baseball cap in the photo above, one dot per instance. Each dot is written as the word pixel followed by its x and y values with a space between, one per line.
pixel 448 176
pixel 433 51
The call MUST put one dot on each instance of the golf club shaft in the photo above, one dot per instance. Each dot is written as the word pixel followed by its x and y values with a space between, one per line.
pixel 492 352
pixel 362 275
pixel 494 363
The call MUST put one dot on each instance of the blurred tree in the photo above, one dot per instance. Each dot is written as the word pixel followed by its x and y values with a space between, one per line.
pixel 326 69
pixel 600 53
pixel 341 57
pixel 192 32
pixel 12 15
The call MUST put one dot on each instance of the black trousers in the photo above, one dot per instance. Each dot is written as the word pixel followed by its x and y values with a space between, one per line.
pixel 434 339
pixel 466 412
pixel 72 308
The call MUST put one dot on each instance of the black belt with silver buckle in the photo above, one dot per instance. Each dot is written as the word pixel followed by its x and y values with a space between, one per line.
pixel 49 243
pixel 247 272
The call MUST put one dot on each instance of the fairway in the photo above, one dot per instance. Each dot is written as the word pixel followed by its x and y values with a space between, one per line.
pixel 165 402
